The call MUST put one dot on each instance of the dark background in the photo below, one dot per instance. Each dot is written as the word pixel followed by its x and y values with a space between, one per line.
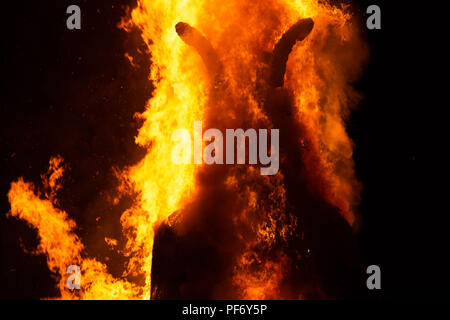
pixel 73 93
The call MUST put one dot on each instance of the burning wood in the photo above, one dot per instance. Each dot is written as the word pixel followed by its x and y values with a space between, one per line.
pixel 173 248
pixel 195 39
pixel 283 48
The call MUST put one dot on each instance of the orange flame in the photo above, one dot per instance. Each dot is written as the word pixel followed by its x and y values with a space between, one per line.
pixel 61 245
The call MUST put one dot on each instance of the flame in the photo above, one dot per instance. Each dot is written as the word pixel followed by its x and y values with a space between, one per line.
pixel 58 241
pixel 319 73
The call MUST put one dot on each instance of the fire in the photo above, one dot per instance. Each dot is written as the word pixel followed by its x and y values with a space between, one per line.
pixel 319 73
pixel 59 242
